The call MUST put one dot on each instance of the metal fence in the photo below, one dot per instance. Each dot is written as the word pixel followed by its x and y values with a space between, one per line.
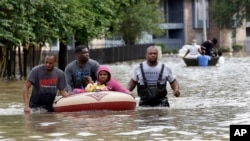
pixel 115 54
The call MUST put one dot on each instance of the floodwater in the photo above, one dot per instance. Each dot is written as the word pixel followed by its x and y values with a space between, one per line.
pixel 212 99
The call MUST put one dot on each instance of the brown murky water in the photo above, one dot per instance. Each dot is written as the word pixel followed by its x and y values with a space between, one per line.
pixel 211 99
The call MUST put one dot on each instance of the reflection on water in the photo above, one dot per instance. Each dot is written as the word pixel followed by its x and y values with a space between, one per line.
pixel 211 99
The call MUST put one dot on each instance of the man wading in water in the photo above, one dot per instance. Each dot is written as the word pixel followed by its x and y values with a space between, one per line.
pixel 151 78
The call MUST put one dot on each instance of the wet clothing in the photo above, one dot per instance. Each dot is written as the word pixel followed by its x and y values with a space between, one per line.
pixel 152 83
pixel 74 73
pixel 112 84
pixel 193 51
pixel 45 86
pixel 203 60
pixel 221 61
pixel 207 46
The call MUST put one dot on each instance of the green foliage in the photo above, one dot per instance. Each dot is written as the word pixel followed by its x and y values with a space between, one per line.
pixel 28 21
pixel 175 51
pixel 169 51
pixel 229 15
pixel 39 21
pixel 136 17
pixel 237 48
pixel 32 22
pixel 163 47
pixel 224 49
pixel 97 17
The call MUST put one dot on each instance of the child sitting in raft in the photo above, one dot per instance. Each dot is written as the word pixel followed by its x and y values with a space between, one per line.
pixel 104 78
pixel 104 82
pixel 85 81
pixel 93 87
pixel 89 86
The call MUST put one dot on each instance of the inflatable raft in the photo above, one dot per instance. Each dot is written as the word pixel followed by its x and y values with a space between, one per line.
pixel 104 100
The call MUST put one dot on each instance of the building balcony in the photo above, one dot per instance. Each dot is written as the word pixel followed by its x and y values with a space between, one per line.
pixel 172 26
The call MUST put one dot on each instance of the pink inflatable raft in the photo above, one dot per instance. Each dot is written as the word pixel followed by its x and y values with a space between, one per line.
pixel 104 100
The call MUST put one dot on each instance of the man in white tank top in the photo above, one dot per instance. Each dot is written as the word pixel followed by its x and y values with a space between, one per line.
pixel 193 51
pixel 151 77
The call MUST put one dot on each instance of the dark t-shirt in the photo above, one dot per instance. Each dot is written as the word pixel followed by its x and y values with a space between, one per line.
pixel 45 86
pixel 208 47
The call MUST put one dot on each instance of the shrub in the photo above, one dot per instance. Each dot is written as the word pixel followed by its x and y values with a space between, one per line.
pixel 166 50
pixel 224 49
pixel 237 47
pixel 175 51
pixel 163 48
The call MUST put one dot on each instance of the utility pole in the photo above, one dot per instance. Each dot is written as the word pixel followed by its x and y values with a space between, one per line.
pixel 204 20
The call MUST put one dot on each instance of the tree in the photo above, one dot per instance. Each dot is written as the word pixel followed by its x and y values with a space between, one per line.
pixel 230 16
pixel 14 28
pixel 135 17
pixel 96 16
pixel 88 20
pixel 36 22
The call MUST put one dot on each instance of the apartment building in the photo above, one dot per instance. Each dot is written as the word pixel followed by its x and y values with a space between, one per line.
pixel 184 21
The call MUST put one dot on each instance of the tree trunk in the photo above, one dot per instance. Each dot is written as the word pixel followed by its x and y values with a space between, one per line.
pixel 8 58
pixel 13 61
pixel 62 57
pixel 32 59
pixel 3 62
pixel 25 54
pixel 20 62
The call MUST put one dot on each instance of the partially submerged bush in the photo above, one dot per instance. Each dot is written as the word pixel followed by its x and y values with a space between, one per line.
pixel 163 48
pixel 224 49
pixel 237 48
pixel 174 51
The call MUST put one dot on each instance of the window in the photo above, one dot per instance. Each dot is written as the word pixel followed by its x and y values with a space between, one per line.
pixel 175 33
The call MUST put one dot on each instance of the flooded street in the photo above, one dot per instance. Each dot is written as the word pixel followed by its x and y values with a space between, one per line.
pixel 212 98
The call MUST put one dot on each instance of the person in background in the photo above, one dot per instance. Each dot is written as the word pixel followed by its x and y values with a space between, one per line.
pixel 151 77
pixel 203 59
pixel 82 66
pixel 193 50
pixel 105 78
pixel 46 80
pixel 208 46
pixel 221 60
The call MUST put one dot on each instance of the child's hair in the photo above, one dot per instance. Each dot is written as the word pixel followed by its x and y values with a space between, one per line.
pixel 220 53
pixel 86 80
